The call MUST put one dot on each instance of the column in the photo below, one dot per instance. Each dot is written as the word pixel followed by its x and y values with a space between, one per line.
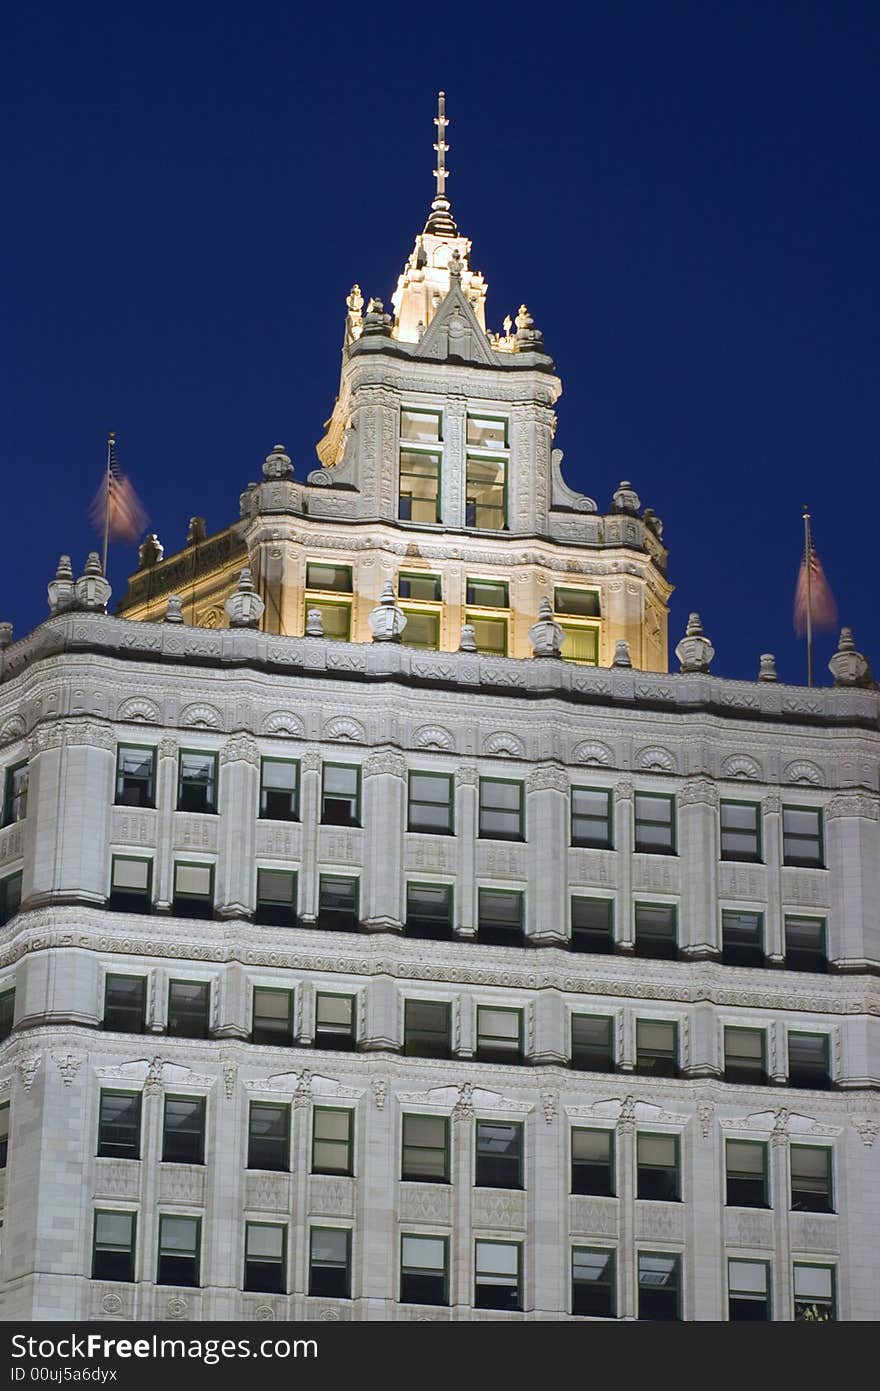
pixel 234 1006
pixel 547 793
pixel 452 471
pixel 310 771
pixel 774 930
pixel 39 830
pixel 461 1240
pixel 549 1038
pixel 239 807
pixel 382 887
pixel 86 781
pixel 383 1033
pixel 783 1303
pixel 625 1143
pixel 466 783
pixel 166 801
pixel 851 838
pixel 698 856
pixel 624 924
pixel 223 1228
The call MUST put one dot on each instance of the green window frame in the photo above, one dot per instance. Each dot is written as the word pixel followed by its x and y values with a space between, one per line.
pixel 592 1042
pixel 580 643
pixel 748 1291
pixel 740 824
pixel 424 1149
pixel 279 789
pixel 487 594
pixel 656 931
pixel 276 897
pixel 487 432
pixel 15 793
pixel 592 824
pixel 180 1250
pixel 4 1134
pixel 272 1016
pixel 424 1268
pixel 197 781
pixel 811 1178
pixel 745 1055
pixel 338 902
pixel 269 1136
pixel 335 580
pixel 431 803
pixel 501 815
pixel 183 1130
pixel 747 1173
pixel 135 775
pixel 806 943
pixel 330 1262
pixel 265 1257
pixel 594 1282
pixel 490 633
pixel 131 883
pixel 429 911
pixel 420 587
pixel 576 603
pixel 485 492
pixel 802 846
pixel 658 1167
pixel 657 1048
pixel 659 1275
pixel 114 1233
pixel 419 485
pixel 499 1154
pixel 501 917
pixel 335 1021
pixel 815 1291
pixel 593 1161
pixel 422 628
pixel 742 937
pixel 10 896
pixel 427 1029
pixel 498 1274
pixel 341 796
pixel 592 924
pixel 655 823
pixel 421 425
pixel 333 1140
pixel 193 892
pixel 127 1013
pixel 189 1008
pixel 809 1066
pixel 119 1124
pixel 497 1040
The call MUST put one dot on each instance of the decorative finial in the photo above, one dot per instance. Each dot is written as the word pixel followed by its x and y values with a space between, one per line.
pixel 5 635
pixel 173 609
pixel 468 642
pixel 849 667
pixel 387 621
pixel 695 651
pixel 92 589
pixel 767 671
pixel 546 636
pixel 440 221
pixel 150 551
pixel 626 499
pixel 314 624
pixel 61 590
pixel 244 606
pixel 277 464
pixel 197 531
pixel 622 656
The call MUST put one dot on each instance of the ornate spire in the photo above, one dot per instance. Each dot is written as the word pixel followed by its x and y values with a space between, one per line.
pixel 440 220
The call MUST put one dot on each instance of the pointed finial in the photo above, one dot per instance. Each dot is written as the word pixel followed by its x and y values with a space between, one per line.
pixel 386 620
pixel 767 669
pixel 848 666
pixel 440 221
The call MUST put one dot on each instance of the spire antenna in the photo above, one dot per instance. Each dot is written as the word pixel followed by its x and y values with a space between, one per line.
pixel 440 220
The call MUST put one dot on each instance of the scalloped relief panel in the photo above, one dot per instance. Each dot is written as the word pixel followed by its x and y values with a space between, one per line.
pixel 13 728
pixel 741 766
pixel 507 745
pixel 593 752
pixel 804 772
pixel 345 730
pixel 432 736
pixel 201 717
pixel 140 710
pixel 656 759
pixel 283 722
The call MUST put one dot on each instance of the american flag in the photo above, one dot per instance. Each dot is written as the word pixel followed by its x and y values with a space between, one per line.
pixel 117 505
pixel 823 609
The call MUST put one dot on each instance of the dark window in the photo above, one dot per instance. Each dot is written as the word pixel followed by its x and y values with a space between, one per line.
pixel 656 931
pixel 4 1135
pixel 419 498
pixel 656 1048
pixel 814 1293
pixel 265 1258
pixel 485 494
pixel 593 1283
pixel 427 1029
pixel 501 809
pixel 189 1004
pixel 811 1185
pixel 10 897
pixel 500 917
pixel 745 1056
pixel 179 1242
pixel 193 890
pixel 16 793
pixel 119 1125
pixel 499 1154
pixel 431 803
pixel 7 1013
pixel 591 818
pixel 125 1004
pixel 425 588
pixel 805 948
pixel 334 579
pixel 130 881
pixel 746 1162
pixel 429 911
pixel 741 831
pixel 335 1022
pixel 135 776
pixel 273 1016
pixel 592 924
pixel 425 1149
pixel 341 795
pixel 658 1168
pixel 330 1262
pixel 748 1289
pixel 592 1043
pixel 742 939
pixel 498 1275
pixel 592 1162
pixel 576 603
pixel 183 1134
pixel 338 903
pixel 655 823
pixel 197 782
pixel 802 837
pixel 487 594
pixel 332 1141
pixel 113 1246
pixel 423 1270
pixel 499 1035
pixel 422 629
pixel 276 898
pixel 269 1136
pixel 808 1060
pixel 659 1287
pixel 279 790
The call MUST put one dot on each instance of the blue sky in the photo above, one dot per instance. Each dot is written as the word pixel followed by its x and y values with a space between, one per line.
pixel 685 195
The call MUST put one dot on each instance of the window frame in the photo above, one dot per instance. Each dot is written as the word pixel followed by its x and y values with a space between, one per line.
pixel 473 455
pixel 329 1227
pixel 288 1041
pixel 295 809
pixel 739 953
pixel 5 1116
pixel 611 1253
pixel 132 1215
pixel 285 1108
pixel 490 932
pixel 322 922
pixel 669 797
pixel 151 749
pixel 425 926
pixel 611 1135
pixel 213 786
pixel 10 796
pixel 666 949
pixel 831 1267
pixel 748 1080
pixel 765 1204
pixel 208 984
pixel 579 935
pixel 261 1288
pixel 412 801
pixel 678 1196
pixel 818 812
pixel 17 876
pixel 130 900
pixel 406 576
pixel 445 1005
pixel 581 844
pixel 822 962
pixel 518 1246
pixel 202 1108
pixel 196 1283
pixel 676 1257
pixel 426 1236
pixel 270 912
pixel 351 1038
pixel 676 1061
pixel 519 1059
pixel 610 1022
pixel 517 839
pixel 348 1111
pixel 831 1205
pixel 519 1126
pixel 499 617
pixel 406 1177
pixel 357 769
pixel 826 1082
pixel 202 904
pixel 124 975
pixel 430 451
pixel 120 1091
pixel 322 589
pixel 768 1288
pixel 754 859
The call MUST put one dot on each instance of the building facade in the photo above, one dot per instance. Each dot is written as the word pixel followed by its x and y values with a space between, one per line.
pixel 387 934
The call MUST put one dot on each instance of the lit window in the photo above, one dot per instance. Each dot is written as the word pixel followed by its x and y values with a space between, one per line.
pixel 429 911
pixel 656 931
pixel 592 1043
pixel 802 837
pixel 487 594
pixel 811 1181
pixel 486 432
pixel 341 795
pixel 424 588
pixel 130 880
pixel 419 491
pixel 265 1257
pixel 498 1275
pixel 745 1055
pixel 580 644
pixel 592 1162
pixel 332 579
pixel 279 789
pixel 323 580
pixel 741 831
pixel 427 1029
pixel 592 924
pixel 591 818
pixel 125 1004
pixel 423 1270
pixel 197 782
pixel 748 1289
pixel 742 938
pixel 490 634
pixel 335 617
pixel 183 1135
pixel 747 1175
pixel 499 1154
pixel 425 1149
pixel 501 809
pixel 113 1246
pixel 119 1125
pixel 332 1141
pixel 421 426
pixel 330 1262
pixel 338 903
pixel 273 1016
pixel 10 897
pixel 593 1281
pixel 276 898
pixel 486 494
pixel 422 629
pixel 335 1022
pixel 654 823
pixel 193 890
pixel 659 1287
pixel 499 1035
pixel 15 796
pixel 431 803
pixel 805 946
pixel 269 1136
pixel 500 917
pixel 189 1008
pixel 179 1243
pixel 658 1168
pixel 135 776
pixel 808 1060
pixel 656 1048
pixel 577 603
pixel 814 1299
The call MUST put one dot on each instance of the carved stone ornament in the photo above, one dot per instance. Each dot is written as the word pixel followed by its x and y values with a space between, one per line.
pixel 623 792
pixel 698 792
pixel 705 1112
pixel 862 804
pixel 28 1067
pixel 866 1128
pixel 153 1079
pixel 626 499
pixel 380 1092
pixel 68 1065
pixel 548 777
pixel 386 620
pixel 230 1076
pixel 314 624
pixel 622 656
pixel 310 762
pixel 173 609
pixel 277 464
pixel 92 588
pixel 150 551
pixel 767 670
pixel 5 636
pixel 468 640
pixel 168 748
pixel 546 636
pixel 849 667
pixel 241 748
pixel 626 1121
pixel 464 1106
pixel 549 1105
pixel 466 776
pixel 695 651
pixel 385 761
pixel 62 593
pixel 245 607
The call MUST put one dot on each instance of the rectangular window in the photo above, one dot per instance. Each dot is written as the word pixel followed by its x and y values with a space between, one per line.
pixel 745 1055
pixel 424 1275
pixel 593 1283
pixel 269 1136
pixel 276 898
pixel 498 1275
pixel 341 795
pixel 422 629
pixel 805 946
pixel 183 1134
pixel 501 809
pixel 656 931
pixel 578 603
pixel 499 1154
pixel 273 1016
pixel 487 594
pixel 332 1141
pixel 656 1048
pixel 265 1257
pixel 15 796
pixel 802 837
pixel 592 924
pixel 332 579
pixel 500 917
pixel 741 831
pixel 747 1174
pixel 808 1060
pixel 4 1135
pixel 748 1289
pixel 335 617
pixel 490 634
pixel 484 432
pixel 130 880
pixel 422 588
pixel 742 938
pixel 197 781
pixel 592 1043
pixel 591 818
pixel 486 494
pixel 335 1022
pixel 279 789
pixel 193 890
pixel 338 903
pixel 179 1243
pixel 421 426
pixel 425 1149
pixel 135 776
pixel 427 1029
pixel 654 823
pixel 125 1004
pixel 119 1125
pixel 814 1293
pixel 10 897
pixel 330 1262
pixel 658 1168
pixel 429 911
pixel 811 1179
pixel 113 1246
pixel 7 1013
pixel 659 1287
pixel 499 1035
pixel 580 644
pixel 431 803
pixel 419 496
pixel 189 1008
pixel 592 1162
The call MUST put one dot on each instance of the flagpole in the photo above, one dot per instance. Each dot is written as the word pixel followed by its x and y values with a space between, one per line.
pixel 808 562
pixel 110 438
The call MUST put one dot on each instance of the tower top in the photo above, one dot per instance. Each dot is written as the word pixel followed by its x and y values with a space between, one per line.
pixel 440 220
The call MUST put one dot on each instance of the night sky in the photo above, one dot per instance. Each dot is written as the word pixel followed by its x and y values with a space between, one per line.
pixel 684 194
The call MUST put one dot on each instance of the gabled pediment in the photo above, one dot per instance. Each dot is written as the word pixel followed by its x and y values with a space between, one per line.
pixel 455 333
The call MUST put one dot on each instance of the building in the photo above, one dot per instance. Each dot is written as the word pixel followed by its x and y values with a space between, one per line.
pixel 386 934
